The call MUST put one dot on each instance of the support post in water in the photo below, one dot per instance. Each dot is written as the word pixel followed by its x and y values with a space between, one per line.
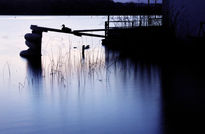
pixel 83 50
pixel 33 41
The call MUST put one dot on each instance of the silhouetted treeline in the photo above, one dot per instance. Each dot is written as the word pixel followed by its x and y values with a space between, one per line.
pixel 72 7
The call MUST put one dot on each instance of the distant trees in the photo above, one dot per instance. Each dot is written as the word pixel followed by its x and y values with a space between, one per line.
pixel 55 6
pixel 70 7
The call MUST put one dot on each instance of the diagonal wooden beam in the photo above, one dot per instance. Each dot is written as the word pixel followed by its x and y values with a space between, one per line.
pixel 75 32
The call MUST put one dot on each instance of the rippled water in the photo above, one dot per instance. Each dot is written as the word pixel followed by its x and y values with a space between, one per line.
pixel 64 93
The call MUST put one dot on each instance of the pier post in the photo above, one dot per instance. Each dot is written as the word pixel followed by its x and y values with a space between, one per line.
pixel 33 41
pixel 83 51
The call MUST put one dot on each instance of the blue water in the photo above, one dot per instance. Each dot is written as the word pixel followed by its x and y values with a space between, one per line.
pixel 61 93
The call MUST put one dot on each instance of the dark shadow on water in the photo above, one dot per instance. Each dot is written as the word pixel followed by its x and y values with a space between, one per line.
pixel 141 81
pixel 182 90
pixel 183 95
pixel 34 74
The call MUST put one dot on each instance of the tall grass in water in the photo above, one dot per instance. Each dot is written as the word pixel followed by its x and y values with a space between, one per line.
pixel 64 65
pixel 7 66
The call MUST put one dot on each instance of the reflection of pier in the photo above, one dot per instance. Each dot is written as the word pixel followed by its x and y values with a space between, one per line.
pixel 34 72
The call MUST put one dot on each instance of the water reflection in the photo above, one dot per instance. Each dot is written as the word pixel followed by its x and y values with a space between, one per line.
pixel 137 83
pixel 104 93
pixel 131 103
pixel 34 74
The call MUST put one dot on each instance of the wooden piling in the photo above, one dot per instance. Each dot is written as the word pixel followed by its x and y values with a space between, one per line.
pixel 83 51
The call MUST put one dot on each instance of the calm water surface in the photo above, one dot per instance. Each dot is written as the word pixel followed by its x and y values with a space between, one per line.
pixel 62 93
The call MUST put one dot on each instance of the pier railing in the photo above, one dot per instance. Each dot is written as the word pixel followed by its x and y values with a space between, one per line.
pixel 138 21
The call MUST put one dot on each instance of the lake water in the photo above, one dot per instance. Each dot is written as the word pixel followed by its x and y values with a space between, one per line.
pixel 62 93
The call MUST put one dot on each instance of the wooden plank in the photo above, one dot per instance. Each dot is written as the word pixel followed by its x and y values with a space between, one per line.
pixel 75 32
pixel 93 35
pixel 89 30
pixel 45 29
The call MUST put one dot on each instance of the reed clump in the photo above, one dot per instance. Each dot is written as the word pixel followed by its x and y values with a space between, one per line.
pixel 65 65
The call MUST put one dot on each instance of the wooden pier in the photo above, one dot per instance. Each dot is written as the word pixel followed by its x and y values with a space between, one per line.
pixel 134 30
pixel 75 32
pixel 34 39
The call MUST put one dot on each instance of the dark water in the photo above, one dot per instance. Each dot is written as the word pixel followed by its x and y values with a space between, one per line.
pixel 103 94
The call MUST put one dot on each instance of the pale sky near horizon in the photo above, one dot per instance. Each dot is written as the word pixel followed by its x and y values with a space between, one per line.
pixel 139 1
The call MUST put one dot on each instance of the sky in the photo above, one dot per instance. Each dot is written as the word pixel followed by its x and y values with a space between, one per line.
pixel 140 1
